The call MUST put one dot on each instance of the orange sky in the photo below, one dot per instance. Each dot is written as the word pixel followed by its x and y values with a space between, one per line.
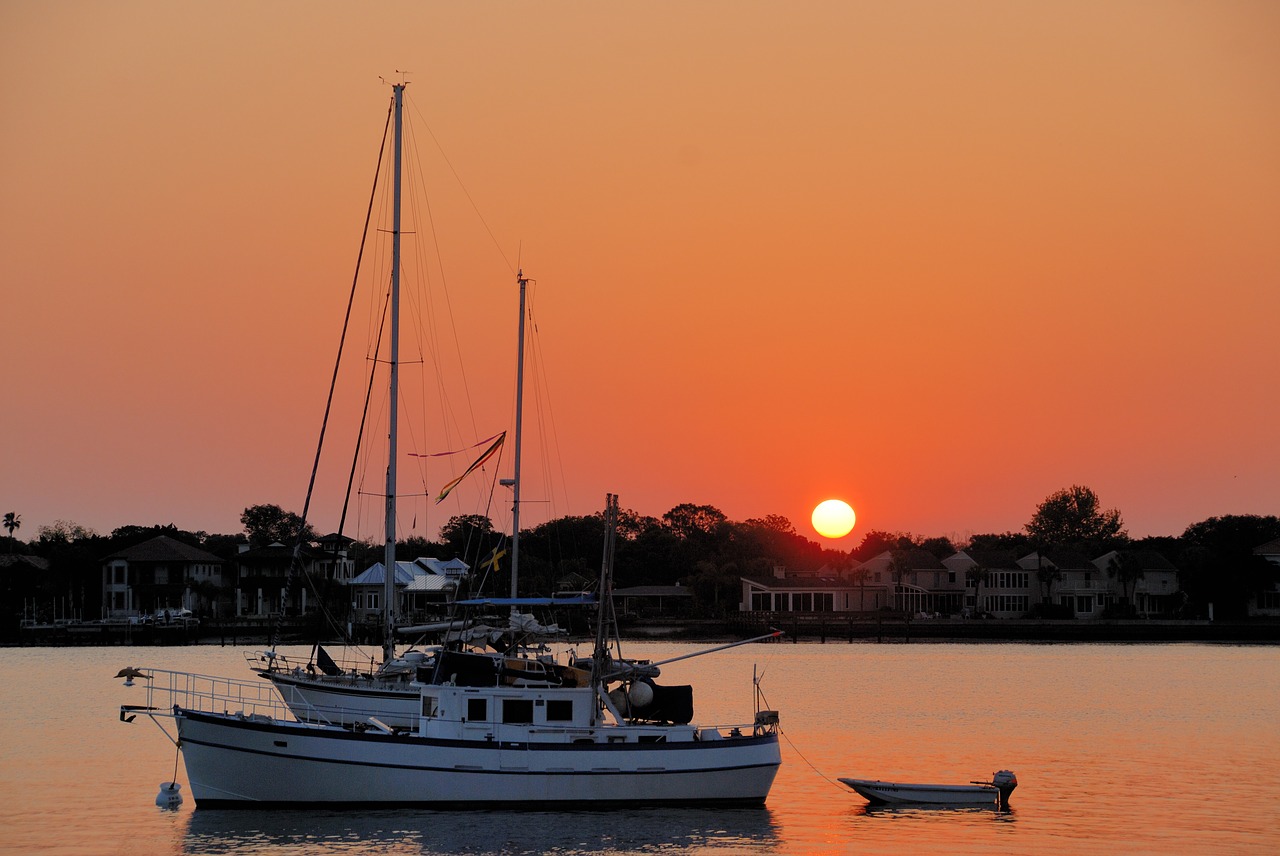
pixel 937 259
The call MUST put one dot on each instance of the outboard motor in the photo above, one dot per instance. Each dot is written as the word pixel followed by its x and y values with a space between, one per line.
pixel 1005 781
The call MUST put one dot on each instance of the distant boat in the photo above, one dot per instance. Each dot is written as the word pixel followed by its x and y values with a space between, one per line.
pixel 993 793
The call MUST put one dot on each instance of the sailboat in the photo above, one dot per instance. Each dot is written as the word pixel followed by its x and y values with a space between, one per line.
pixel 477 728
pixel 324 691
pixel 321 690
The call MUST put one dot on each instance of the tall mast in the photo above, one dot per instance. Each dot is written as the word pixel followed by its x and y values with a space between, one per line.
pixel 515 508
pixel 389 554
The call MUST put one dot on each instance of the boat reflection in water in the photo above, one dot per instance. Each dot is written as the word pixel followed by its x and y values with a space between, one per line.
pixel 481 832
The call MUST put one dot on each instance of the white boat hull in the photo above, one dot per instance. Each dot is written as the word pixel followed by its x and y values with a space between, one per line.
pixel 238 762
pixel 898 793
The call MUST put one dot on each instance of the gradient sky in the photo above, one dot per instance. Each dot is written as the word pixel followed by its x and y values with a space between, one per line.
pixel 937 259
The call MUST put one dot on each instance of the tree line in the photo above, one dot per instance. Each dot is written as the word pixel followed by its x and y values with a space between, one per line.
pixel 696 546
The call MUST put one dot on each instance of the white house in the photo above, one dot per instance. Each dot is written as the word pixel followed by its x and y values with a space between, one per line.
pixel 1000 586
pixel 422 585
pixel 1156 592
pixel 918 581
pixel 825 591
pixel 1070 579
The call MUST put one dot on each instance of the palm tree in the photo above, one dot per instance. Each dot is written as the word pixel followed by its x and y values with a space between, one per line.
pixel 12 521
pixel 978 575
pixel 1047 575
pixel 859 574
pixel 1127 568
pixel 898 567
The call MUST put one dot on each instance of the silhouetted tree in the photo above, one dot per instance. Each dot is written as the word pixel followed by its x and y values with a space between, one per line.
pixel 12 521
pixel 1017 542
pixel 1073 517
pixel 270 524
pixel 1218 566
pixel 464 534
pixel 690 521
pixel 939 547
pixel 877 541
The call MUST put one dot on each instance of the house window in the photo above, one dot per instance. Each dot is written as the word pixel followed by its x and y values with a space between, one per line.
pixel 760 601
pixel 373 600
pixel 951 576
pixel 162 576
pixel 875 577
pixel 477 710
pixel 824 602
pixel 805 602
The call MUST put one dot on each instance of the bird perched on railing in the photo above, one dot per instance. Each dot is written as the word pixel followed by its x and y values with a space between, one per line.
pixel 129 673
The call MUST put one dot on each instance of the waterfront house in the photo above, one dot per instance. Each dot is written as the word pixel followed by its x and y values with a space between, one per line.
pixel 160 573
pixel 21 578
pixel 262 576
pixel 1155 593
pixel 1000 587
pixel 1068 578
pixel 920 583
pixel 425 588
pixel 653 601
pixel 827 590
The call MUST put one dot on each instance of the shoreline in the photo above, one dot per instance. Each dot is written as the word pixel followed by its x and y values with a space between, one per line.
pixel 808 628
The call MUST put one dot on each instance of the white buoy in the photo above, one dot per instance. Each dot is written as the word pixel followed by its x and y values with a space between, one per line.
pixel 170 795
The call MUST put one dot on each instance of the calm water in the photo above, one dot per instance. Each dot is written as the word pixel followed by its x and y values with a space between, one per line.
pixel 1127 749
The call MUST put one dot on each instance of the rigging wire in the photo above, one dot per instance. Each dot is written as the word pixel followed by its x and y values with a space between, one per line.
pixel 462 186
pixel 296 562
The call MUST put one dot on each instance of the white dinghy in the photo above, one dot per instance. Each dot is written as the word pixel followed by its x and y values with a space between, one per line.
pixel 993 793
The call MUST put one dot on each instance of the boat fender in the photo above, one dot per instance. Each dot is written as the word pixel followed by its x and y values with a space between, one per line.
pixel 170 796
pixel 619 699
pixel 641 694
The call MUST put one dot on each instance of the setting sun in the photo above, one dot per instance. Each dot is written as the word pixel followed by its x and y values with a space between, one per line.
pixel 833 518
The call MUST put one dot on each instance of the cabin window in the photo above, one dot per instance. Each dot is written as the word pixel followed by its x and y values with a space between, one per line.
pixel 560 710
pixel 477 710
pixel 517 711
pixel 430 706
